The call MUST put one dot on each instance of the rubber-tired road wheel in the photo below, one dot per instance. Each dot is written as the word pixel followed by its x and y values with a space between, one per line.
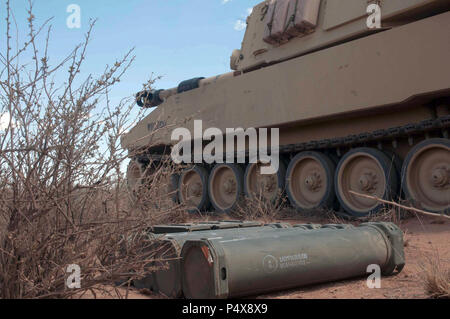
pixel 396 163
pixel 193 189
pixel 135 175
pixel 226 187
pixel 173 187
pixel 267 187
pixel 310 181
pixel 365 171
pixel 426 175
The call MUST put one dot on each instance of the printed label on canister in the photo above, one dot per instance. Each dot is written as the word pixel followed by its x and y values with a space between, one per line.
pixel 272 264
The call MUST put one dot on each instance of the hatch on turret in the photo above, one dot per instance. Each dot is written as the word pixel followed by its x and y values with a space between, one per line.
pixel 271 24
pixel 279 30
pixel 286 19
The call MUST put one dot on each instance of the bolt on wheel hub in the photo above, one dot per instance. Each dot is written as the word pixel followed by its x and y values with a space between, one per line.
pixel 440 177
pixel 368 182
pixel 196 189
pixel 229 186
pixel 313 182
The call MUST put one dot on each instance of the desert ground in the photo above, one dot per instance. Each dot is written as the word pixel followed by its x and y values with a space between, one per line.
pixel 427 242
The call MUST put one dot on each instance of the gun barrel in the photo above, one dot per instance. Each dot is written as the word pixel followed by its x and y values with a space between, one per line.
pixel 152 98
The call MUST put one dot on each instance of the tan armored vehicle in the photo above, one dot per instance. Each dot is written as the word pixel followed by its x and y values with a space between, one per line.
pixel 362 108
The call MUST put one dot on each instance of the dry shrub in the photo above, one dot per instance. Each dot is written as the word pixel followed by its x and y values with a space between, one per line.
pixel 334 218
pixel 157 192
pixel 63 193
pixel 406 238
pixel 261 209
pixel 387 214
pixel 436 277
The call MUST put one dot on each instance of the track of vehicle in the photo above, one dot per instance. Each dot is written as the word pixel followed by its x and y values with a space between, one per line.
pixel 328 177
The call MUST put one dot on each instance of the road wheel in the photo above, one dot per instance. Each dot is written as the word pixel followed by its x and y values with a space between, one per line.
pixel 426 175
pixel 174 180
pixel 397 163
pixel 267 187
pixel 193 189
pixel 365 171
pixel 226 187
pixel 135 173
pixel 135 179
pixel 310 181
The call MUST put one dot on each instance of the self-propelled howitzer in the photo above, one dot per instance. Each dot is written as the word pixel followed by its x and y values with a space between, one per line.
pixel 362 109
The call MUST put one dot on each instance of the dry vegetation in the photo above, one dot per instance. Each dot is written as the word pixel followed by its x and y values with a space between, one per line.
pixel 258 208
pixel 63 196
pixel 436 277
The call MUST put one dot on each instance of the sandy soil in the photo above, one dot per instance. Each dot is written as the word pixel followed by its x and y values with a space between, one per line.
pixel 425 238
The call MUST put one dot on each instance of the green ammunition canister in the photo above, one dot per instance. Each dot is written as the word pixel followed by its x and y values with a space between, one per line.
pixel 272 261
pixel 168 280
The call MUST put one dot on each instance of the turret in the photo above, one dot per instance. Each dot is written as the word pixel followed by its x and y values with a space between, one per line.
pixel 281 30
